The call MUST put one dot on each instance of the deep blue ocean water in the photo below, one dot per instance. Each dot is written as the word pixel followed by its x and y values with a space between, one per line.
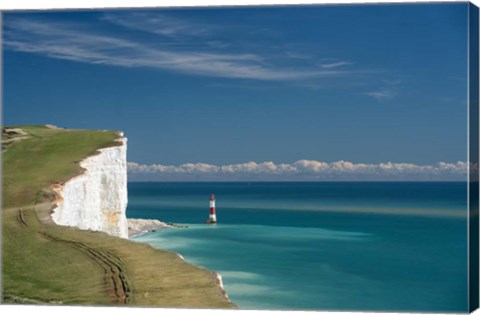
pixel 320 246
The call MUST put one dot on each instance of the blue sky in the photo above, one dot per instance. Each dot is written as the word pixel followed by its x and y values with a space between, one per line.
pixel 367 84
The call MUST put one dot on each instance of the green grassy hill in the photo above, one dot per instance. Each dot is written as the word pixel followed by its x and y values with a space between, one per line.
pixel 47 263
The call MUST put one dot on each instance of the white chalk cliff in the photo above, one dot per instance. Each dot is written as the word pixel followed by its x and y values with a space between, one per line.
pixel 97 199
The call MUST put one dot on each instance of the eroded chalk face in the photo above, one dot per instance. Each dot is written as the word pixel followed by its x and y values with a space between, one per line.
pixel 97 199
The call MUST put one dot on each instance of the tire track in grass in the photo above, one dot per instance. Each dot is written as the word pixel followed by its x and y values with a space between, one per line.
pixel 111 264
pixel 21 218
pixel 113 267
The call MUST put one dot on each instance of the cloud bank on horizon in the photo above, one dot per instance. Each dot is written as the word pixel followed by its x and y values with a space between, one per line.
pixel 307 170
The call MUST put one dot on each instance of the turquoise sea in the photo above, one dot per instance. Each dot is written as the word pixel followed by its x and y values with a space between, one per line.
pixel 320 246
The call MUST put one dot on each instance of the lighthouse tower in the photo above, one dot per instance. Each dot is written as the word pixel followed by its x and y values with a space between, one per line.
pixel 212 218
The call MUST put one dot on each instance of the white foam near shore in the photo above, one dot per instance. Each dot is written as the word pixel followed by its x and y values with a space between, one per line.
pixel 220 284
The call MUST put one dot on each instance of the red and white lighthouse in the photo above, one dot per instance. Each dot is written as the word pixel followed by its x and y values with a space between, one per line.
pixel 212 218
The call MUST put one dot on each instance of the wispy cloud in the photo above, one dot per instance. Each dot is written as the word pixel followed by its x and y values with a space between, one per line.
pixel 303 170
pixel 335 64
pixel 74 42
pixel 160 24
pixel 382 95
pixel 389 90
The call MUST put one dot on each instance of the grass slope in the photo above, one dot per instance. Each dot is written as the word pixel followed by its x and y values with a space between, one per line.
pixel 46 263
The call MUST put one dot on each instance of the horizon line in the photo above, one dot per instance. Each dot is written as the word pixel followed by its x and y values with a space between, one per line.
pixel 299 181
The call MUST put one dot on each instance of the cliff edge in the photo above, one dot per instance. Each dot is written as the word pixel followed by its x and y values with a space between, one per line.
pixel 97 199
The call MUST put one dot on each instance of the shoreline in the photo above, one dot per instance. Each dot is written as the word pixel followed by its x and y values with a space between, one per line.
pixel 137 227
